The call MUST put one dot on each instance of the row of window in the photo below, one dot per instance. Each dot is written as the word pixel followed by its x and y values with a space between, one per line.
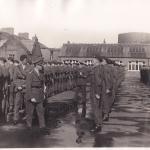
pixel 135 65
pixel 137 49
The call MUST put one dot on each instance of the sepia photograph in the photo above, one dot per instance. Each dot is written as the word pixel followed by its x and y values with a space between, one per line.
pixel 74 73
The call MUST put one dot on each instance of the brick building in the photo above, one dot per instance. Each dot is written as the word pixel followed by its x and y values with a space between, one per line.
pixel 12 45
pixel 132 50
pixel 8 30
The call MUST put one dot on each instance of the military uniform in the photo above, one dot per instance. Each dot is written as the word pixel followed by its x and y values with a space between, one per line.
pixel 35 89
pixel 96 97
pixel 11 87
pixel 107 99
pixel 20 74
pixel 5 101
pixel 81 88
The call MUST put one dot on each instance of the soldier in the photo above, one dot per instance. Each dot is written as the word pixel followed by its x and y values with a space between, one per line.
pixel 81 88
pixel 35 89
pixel 96 94
pixel 35 94
pixel 20 74
pixel 6 77
pixel 107 98
pixel 2 81
pixel 11 68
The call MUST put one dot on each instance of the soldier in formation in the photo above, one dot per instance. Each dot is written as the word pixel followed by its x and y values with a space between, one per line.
pixel 145 75
pixel 19 79
pixel 105 80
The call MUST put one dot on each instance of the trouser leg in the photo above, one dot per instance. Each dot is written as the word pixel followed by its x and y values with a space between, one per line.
pixel 98 112
pixel 17 105
pixel 96 108
pixel 40 113
pixel 1 99
pixel 106 105
pixel 29 113
pixel 83 101
pixel 11 96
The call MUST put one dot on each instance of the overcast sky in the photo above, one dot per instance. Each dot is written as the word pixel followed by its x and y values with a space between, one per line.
pixel 57 21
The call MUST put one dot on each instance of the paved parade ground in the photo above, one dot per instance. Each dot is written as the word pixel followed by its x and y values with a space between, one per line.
pixel 128 126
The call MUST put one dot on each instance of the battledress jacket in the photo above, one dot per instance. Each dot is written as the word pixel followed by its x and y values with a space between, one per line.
pixel 35 86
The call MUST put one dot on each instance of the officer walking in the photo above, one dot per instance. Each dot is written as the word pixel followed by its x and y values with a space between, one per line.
pixel 81 87
pixel 96 94
pixel 35 94
pixel 35 90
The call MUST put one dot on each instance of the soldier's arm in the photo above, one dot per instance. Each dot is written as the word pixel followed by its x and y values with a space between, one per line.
pixel 97 77
pixel 18 74
pixel 28 87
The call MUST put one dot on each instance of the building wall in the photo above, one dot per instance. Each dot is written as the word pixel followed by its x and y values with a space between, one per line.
pixel 46 54
pixel 14 51
pixel 134 37
pixel 133 62
pixel 55 53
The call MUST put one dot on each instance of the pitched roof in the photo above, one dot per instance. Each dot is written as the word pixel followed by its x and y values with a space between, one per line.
pixel 2 42
pixel 13 40
pixel 29 44
pixel 108 50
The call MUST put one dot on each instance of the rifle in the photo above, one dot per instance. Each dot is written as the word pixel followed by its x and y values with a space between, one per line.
pixel 5 101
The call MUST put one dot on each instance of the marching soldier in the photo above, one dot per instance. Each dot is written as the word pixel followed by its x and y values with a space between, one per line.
pixel 96 94
pixel 81 87
pixel 107 99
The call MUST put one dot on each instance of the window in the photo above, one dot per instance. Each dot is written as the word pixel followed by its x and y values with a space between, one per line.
pixel 133 66
pixel 137 65
pixel 143 50
pixel 129 67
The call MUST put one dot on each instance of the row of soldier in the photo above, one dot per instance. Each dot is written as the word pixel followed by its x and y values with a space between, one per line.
pixel 59 77
pixel 103 80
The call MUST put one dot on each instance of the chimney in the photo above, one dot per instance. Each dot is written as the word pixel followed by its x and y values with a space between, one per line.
pixel 24 35
pixel 8 30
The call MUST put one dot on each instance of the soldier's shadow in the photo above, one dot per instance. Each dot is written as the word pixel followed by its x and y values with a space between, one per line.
pixel 83 127
pixel 103 140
